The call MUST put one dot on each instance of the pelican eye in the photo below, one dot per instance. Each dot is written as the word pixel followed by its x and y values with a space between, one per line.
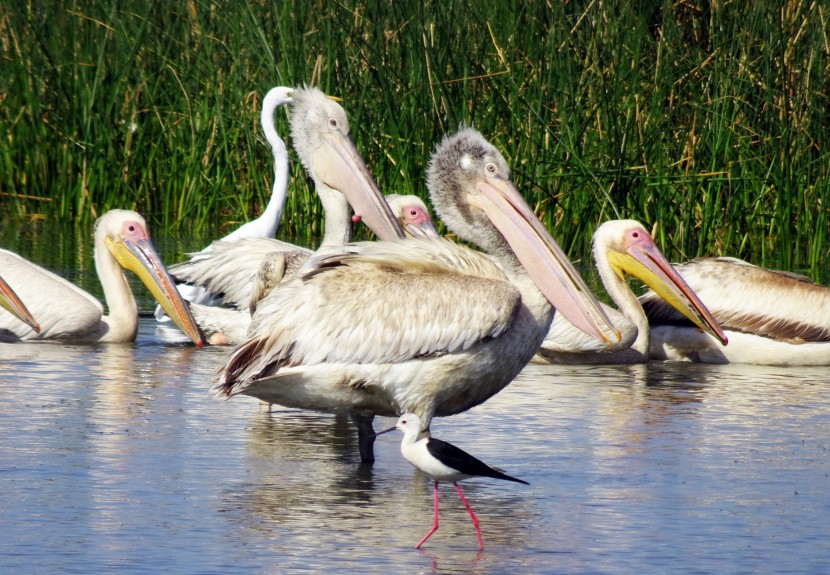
pixel 490 167
pixel 333 123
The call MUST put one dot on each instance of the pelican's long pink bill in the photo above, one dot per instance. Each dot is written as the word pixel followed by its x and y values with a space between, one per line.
pixel 345 171
pixel 545 261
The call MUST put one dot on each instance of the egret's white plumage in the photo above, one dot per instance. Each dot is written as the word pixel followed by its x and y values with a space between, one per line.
pixel 625 247
pixel 425 326
pixel 770 317
pixel 65 311
pixel 265 226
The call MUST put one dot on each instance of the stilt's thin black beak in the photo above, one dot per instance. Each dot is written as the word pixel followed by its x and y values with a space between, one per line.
pixel 393 428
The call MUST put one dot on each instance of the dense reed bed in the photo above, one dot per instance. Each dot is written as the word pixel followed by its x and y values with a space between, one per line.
pixel 710 119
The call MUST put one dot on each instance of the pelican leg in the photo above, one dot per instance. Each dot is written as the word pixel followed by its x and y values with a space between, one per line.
pixel 365 436
pixel 434 519
pixel 472 516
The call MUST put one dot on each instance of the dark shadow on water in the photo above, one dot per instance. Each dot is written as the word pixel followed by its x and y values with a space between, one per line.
pixel 303 466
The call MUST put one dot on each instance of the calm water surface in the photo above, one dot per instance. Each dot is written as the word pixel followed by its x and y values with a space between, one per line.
pixel 115 459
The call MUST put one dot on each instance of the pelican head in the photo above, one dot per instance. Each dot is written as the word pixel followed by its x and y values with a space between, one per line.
pixel 10 302
pixel 470 186
pixel 320 131
pixel 629 248
pixel 125 235
pixel 413 215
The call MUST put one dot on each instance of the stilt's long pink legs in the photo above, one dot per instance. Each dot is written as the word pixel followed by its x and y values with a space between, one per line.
pixel 469 509
pixel 435 517
pixel 434 520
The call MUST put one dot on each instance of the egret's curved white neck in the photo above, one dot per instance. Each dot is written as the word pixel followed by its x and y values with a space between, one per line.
pixel 273 211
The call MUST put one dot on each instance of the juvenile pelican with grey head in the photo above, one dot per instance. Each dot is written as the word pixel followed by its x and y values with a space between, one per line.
pixel 66 312
pixel 423 325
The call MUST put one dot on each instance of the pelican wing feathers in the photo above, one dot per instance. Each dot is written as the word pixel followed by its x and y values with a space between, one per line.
pixel 445 304
pixel 70 310
pixel 752 299
pixel 229 268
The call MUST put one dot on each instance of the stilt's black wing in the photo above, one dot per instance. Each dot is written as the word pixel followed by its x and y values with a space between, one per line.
pixel 452 456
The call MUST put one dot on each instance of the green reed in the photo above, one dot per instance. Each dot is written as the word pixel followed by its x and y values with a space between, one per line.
pixel 711 120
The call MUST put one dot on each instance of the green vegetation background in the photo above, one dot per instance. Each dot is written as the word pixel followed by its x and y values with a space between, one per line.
pixel 710 119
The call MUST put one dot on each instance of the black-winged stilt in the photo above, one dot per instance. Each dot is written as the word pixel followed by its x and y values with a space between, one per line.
pixel 442 461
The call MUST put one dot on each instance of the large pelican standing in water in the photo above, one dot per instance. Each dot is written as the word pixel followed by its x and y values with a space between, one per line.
pixel 423 325
pixel 625 247
pixel 66 312
pixel 770 317
pixel 12 304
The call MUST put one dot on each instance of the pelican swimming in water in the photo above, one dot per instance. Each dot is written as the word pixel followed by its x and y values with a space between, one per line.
pixel 66 312
pixel 12 304
pixel 265 226
pixel 625 247
pixel 770 317
pixel 421 325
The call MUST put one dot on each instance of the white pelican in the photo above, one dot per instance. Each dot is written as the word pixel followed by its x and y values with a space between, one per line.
pixel 65 311
pixel 423 325
pixel 265 226
pixel 12 304
pixel 771 317
pixel 625 247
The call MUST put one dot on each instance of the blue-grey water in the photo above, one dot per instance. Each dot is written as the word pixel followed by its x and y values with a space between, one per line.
pixel 115 459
